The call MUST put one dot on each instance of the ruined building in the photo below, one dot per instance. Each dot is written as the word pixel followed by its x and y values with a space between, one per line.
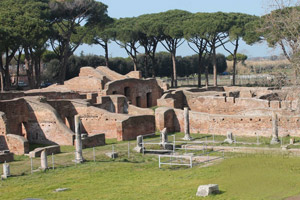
pixel 107 102
pixel 117 106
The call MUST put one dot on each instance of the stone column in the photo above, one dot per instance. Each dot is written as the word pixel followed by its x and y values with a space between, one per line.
pixel 139 146
pixel 229 138
pixel 78 142
pixel 275 139
pixel 164 136
pixel 6 171
pixel 44 162
pixel 186 124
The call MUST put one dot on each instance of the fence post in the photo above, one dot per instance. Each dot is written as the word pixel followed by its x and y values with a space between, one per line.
pixel 113 151
pixel 191 162
pixel 174 139
pixel 31 165
pixel 235 140
pixel 159 161
pixel 207 156
pixel 53 161
pixel 94 154
pixel 143 145
pixel 128 149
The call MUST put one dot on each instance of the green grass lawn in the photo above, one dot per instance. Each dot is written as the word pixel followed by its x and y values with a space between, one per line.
pixel 255 176
pixel 240 176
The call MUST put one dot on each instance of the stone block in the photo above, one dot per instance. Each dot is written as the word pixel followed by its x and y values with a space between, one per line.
pixel 6 157
pixel 61 189
pixel 229 138
pixel 112 155
pixel 206 190
pixel 54 149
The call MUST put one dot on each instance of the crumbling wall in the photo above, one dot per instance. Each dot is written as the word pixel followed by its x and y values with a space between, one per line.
pixel 245 125
pixel 113 103
pixel 135 126
pixel 96 120
pixel 174 99
pixel 141 93
pixel 85 84
pixel 3 132
pixel 17 144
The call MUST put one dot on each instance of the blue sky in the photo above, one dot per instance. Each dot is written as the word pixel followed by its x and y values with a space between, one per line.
pixel 130 8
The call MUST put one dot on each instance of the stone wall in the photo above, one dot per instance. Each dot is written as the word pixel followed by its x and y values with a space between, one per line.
pixel 246 125
pixel 17 144
pixel 141 93
pixel 46 92
pixel 96 120
pixel 93 141
pixel 6 157
pixel 84 84
pixel 37 121
pixel 135 126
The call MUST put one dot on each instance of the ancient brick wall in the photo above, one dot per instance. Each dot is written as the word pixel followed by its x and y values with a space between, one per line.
pixel 6 157
pixel 17 144
pixel 246 125
pixel 96 120
pixel 141 93
pixel 135 126
pixel 41 92
pixel 93 141
pixel 133 110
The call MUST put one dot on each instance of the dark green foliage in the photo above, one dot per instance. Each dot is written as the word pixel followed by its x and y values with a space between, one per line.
pixel 239 57
pixel 186 65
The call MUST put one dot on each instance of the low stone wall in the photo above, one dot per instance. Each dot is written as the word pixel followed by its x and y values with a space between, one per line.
pixel 222 102
pixel 17 144
pixel 113 103
pixel 55 149
pixel 244 125
pixel 135 126
pixel 6 157
pixel 93 141
pixel 133 110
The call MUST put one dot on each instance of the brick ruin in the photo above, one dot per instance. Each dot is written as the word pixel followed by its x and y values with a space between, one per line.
pixel 118 107
pixel 240 110
pixel 107 103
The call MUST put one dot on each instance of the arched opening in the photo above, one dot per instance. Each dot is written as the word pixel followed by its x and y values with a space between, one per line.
pixel 149 100
pixel 127 92
pixel 138 101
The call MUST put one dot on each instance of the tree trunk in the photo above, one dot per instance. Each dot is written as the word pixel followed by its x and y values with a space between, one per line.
pixel 153 66
pixel 1 74
pixel 1 79
pixel 173 54
pixel 106 54
pixel 7 77
pixel 199 69
pixel 206 77
pixel 134 64
pixel 146 65
pixel 29 68
pixel 63 69
pixel 64 61
pixel 215 66
pixel 37 67
pixel 235 61
pixel 18 67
